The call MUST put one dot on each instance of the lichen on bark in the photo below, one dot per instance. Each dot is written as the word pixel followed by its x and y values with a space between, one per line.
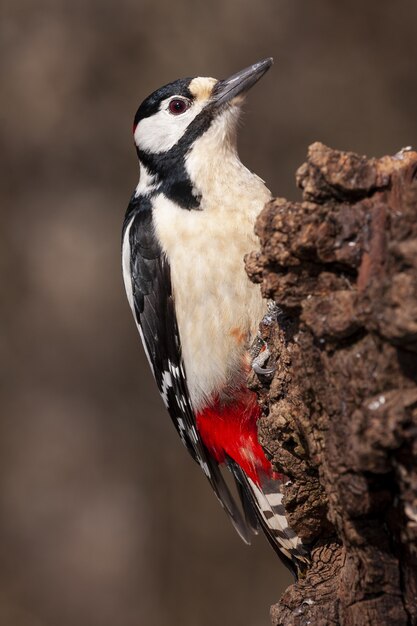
pixel 340 414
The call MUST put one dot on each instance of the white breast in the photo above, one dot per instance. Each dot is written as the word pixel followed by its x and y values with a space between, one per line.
pixel 218 308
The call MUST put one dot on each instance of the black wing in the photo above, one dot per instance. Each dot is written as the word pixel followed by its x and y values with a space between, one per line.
pixel 154 311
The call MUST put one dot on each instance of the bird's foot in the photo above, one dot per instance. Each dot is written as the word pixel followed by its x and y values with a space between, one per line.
pixel 259 361
pixel 259 349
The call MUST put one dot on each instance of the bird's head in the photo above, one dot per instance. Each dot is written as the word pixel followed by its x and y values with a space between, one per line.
pixel 172 120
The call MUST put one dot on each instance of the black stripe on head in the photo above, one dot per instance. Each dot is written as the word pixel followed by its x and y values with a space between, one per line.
pixel 152 103
pixel 169 167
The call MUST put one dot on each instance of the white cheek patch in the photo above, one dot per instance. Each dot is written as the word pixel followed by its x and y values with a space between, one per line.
pixel 161 131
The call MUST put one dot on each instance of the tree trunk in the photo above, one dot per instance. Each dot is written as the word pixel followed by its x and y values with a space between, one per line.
pixel 340 414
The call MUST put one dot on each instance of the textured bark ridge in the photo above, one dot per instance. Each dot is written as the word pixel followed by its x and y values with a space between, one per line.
pixel 340 414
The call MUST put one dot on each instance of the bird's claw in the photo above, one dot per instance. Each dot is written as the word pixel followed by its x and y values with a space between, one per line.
pixel 263 371
pixel 261 358
pixel 260 353
pixel 259 349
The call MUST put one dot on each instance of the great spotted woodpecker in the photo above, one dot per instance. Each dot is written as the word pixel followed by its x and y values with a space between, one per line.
pixel 188 226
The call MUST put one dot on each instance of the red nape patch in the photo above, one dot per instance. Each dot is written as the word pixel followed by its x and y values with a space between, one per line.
pixel 231 429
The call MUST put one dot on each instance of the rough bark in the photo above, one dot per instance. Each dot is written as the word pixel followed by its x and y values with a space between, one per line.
pixel 340 413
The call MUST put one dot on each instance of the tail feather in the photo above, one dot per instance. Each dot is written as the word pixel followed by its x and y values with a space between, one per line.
pixel 272 512
pixel 266 503
pixel 240 523
pixel 247 506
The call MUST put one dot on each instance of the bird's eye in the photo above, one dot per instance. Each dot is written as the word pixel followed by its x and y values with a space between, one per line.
pixel 178 106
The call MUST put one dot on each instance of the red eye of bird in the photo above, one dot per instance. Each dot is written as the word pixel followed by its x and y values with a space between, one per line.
pixel 178 106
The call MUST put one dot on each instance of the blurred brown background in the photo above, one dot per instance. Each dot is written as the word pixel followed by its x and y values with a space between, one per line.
pixel 96 489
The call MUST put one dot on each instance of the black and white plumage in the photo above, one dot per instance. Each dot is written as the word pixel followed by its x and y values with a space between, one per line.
pixel 150 296
pixel 186 230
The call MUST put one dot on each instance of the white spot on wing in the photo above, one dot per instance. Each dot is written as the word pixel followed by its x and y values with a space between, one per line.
pixel 166 384
pixel 204 467
pixel 182 430
pixel 193 434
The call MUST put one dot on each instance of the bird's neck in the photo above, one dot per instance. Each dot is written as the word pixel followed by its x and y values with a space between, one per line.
pixel 221 178
pixel 148 182
pixel 208 174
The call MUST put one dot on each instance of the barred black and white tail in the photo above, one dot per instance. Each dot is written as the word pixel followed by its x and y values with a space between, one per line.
pixel 274 521
pixel 266 501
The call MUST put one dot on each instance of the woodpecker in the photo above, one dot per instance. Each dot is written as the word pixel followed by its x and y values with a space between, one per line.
pixel 187 228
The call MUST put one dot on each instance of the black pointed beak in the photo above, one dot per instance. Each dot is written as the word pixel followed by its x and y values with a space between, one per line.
pixel 240 83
